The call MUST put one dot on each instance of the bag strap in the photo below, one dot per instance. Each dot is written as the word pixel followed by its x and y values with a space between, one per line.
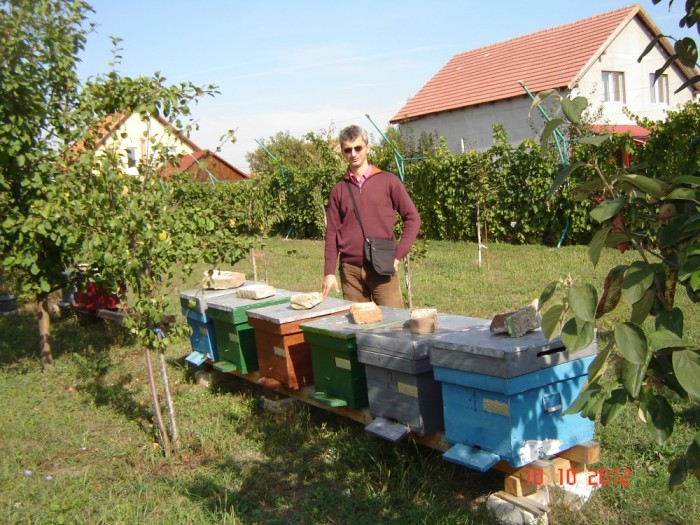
pixel 354 205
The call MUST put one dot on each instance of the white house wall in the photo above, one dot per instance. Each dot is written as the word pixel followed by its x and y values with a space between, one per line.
pixel 471 128
pixel 141 136
pixel 622 56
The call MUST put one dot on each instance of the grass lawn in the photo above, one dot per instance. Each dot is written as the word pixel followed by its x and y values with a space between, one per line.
pixel 77 441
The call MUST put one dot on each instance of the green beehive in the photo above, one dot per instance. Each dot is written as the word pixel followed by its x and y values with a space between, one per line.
pixel 235 339
pixel 339 377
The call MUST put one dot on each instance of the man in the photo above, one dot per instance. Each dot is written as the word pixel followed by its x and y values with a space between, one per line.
pixel 379 196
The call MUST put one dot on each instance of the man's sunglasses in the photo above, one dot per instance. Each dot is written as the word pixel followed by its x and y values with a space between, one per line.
pixel 357 149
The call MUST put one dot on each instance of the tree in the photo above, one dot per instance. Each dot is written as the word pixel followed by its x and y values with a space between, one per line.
pixel 65 204
pixel 653 210
pixel 39 85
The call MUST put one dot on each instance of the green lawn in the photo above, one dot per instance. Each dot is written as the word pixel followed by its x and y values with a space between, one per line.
pixel 77 443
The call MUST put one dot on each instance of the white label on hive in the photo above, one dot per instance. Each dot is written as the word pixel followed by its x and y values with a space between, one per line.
pixel 203 330
pixel 342 363
pixel 533 450
pixel 279 351
pixel 233 338
pixel 406 389
pixel 497 407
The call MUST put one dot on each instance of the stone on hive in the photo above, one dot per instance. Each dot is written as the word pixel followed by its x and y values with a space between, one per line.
pixel 222 280
pixel 423 321
pixel 518 322
pixel 255 291
pixel 361 313
pixel 304 301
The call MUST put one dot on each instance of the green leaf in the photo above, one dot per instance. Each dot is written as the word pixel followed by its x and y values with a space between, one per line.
pixel 686 365
pixel 45 286
pixel 638 278
pixel 595 247
pixel 574 108
pixel 541 97
pixel 632 343
pixel 607 209
pixel 549 128
pixel 671 320
pixel 682 194
pixel 687 51
pixel 612 290
pixel 632 376
pixel 552 320
pixel 662 339
pixel 650 46
pixel 594 140
pixel 577 335
pixel 547 293
pixel 659 416
pixel 586 396
pixel 599 364
pixel 562 176
pixel 613 406
pixel 686 179
pixel 690 266
pixel 646 184
pixel 641 309
pixel 583 300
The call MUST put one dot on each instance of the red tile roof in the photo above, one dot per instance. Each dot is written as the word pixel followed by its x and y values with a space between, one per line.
pixel 553 58
pixel 632 129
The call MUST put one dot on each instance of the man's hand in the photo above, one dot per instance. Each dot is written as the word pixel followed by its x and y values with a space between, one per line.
pixel 396 266
pixel 329 281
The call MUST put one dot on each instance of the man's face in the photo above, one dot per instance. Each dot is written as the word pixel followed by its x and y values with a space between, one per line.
pixel 355 152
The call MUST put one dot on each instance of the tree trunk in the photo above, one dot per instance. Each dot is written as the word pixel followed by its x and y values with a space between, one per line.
pixel 174 435
pixel 164 440
pixel 407 278
pixel 42 308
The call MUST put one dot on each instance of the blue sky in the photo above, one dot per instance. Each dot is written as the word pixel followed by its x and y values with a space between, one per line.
pixel 314 65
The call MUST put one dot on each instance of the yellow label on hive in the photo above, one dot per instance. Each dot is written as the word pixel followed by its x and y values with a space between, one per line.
pixel 343 363
pixel 407 390
pixel 203 330
pixel 233 338
pixel 279 351
pixel 497 407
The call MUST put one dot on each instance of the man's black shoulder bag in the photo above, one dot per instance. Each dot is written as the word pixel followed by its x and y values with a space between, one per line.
pixel 378 252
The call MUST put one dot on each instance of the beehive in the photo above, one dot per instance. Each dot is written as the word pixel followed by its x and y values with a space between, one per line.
pixel 339 377
pixel 503 397
pixel 401 389
pixel 234 336
pixel 283 354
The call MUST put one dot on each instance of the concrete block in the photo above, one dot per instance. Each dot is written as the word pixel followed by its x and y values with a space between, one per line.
pixel 255 291
pixel 361 313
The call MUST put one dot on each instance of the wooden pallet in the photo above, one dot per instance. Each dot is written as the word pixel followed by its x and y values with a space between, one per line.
pixel 521 485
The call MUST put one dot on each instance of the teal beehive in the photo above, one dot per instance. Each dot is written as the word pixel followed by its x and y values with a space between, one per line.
pixel 202 336
pixel 504 397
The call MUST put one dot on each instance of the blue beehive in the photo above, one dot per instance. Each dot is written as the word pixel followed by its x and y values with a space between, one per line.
pixel 403 395
pixel 202 337
pixel 503 397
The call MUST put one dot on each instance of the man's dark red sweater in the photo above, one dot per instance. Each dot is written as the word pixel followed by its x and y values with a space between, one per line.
pixel 379 199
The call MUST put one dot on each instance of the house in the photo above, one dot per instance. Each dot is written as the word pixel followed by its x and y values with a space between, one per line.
pixel 595 57
pixel 135 139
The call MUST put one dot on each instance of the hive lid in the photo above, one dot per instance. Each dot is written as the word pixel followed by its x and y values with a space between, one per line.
pixel 478 350
pixel 201 297
pixel 231 303
pixel 340 326
pixel 284 313
pixel 398 340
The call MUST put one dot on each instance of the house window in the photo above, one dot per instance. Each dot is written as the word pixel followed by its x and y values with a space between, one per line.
pixel 659 89
pixel 172 151
pixel 613 86
pixel 131 157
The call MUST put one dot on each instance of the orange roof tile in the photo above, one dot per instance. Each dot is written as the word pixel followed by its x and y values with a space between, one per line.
pixel 552 58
